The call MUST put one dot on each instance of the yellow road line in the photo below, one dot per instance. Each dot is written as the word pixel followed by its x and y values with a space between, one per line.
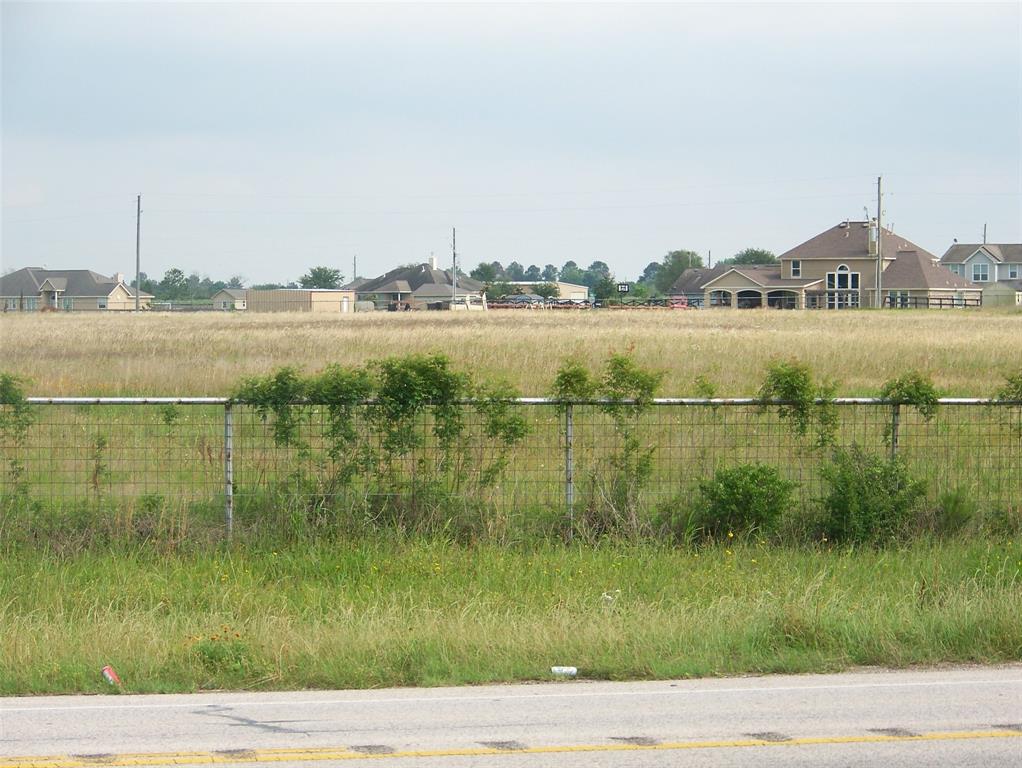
pixel 240 757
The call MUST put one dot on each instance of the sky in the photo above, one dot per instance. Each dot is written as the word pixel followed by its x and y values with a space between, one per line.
pixel 268 138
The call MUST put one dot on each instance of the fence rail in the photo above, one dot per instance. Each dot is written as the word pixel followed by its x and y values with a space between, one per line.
pixel 221 463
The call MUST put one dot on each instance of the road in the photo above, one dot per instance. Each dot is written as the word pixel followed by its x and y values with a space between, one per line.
pixel 960 717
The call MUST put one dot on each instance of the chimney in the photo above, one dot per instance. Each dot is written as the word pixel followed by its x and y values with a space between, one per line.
pixel 433 262
pixel 118 277
pixel 872 237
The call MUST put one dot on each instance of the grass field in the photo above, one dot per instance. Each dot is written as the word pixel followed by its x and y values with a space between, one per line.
pixel 307 607
pixel 966 352
pixel 420 613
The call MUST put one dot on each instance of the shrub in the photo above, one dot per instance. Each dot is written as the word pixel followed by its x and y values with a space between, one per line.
pixel 870 498
pixel 800 400
pixel 739 500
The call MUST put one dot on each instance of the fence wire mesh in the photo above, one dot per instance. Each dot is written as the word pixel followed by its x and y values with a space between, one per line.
pixel 163 467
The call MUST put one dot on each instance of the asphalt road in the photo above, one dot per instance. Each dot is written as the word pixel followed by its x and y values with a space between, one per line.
pixel 958 717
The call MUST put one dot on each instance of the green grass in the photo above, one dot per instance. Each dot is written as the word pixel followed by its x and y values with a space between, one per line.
pixel 365 614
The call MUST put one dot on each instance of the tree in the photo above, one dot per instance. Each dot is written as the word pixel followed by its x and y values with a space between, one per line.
pixel 148 284
pixel 267 286
pixel 605 288
pixel 547 290
pixel 173 285
pixel 570 273
pixel 648 275
pixel 674 263
pixel 514 271
pixel 485 273
pixel 550 273
pixel 639 291
pixel 533 273
pixel 321 277
pixel 502 288
pixel 752 256
pixel 236 281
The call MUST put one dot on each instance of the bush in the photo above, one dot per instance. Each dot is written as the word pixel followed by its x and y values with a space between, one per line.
pixel 739 500
pixel 870 498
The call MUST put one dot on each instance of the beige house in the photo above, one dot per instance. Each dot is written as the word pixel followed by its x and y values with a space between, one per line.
pixel 569 291
pixel 230 299
pixel 422 286
pixel 836 269
pixel 33 289
pixel 315 300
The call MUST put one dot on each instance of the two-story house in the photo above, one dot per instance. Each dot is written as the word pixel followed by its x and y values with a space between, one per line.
pixel 837 269
pixel 995 266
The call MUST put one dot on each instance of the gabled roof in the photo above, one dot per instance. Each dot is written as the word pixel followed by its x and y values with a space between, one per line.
pixel 959 253
pixel 421 280
pixel 849 240
pixel 235 293
pixel 76 282
pixel 913 270
pixel 693 279
pixel 765 276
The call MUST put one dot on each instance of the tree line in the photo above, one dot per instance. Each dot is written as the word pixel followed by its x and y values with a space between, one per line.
pixel 656 279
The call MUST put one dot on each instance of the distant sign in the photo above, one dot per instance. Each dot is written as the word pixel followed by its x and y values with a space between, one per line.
pixel 622 287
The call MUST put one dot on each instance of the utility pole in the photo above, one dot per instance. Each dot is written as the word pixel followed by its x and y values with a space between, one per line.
pixel 984 233
pixel 454 271
pixel 354 267
pixel 138 261
pixel 880 242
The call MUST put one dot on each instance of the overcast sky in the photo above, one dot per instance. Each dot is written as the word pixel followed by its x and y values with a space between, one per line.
pixel 267 138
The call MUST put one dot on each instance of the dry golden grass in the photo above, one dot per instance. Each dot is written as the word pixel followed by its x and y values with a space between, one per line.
pixel 966 352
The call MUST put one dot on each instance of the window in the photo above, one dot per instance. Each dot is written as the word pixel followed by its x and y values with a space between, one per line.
pixel 898 298
pixel 68 303
pixel 101 303
pixel 980 273
pixel 842 288
pixel 11 304
pixel 956 269
pixel 796 268
pixel 1014 270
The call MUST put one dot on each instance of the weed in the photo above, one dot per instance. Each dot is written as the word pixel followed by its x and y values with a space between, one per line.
pixel 870 499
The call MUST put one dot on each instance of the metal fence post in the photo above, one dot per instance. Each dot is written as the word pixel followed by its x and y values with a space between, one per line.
pixel 228 470
pixel 895 421
pixel 569 468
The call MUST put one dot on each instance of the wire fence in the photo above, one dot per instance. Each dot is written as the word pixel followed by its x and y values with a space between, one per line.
pixel 178 465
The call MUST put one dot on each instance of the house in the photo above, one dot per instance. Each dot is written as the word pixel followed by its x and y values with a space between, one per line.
pixel 748 287
pixel 315 300
pixel 228 299
pixel 836 269
pixel 996 266
pixel 80 290
pixel 568 291
pixel 918 280
pixel 689 285
pixel 418 287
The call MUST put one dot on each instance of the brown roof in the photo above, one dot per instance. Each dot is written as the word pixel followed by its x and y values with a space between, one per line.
pixel 693 279
pixel 849 240
pixel 73 282
pixel 414 279
pixel 913 270
pixel 769 276
pixel 1002 252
